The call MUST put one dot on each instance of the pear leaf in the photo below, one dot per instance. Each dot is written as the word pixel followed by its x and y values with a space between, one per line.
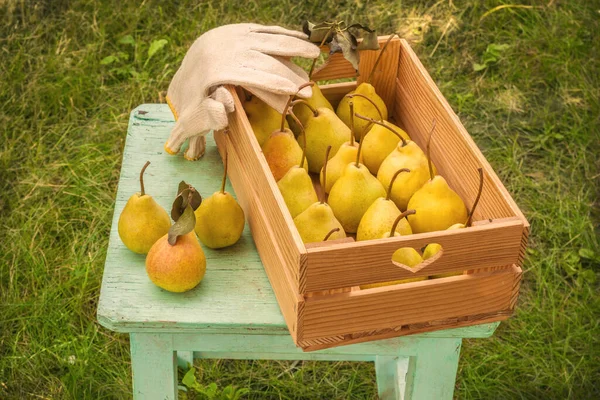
pixel 182 186
pixel 318 32
pixel 182 199
pixel 184 224
pixel 349 45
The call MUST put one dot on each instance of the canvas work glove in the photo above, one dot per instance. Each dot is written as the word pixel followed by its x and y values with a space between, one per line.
pixel 253 56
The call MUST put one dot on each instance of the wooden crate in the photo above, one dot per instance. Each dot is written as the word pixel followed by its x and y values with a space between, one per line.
pixel 317 285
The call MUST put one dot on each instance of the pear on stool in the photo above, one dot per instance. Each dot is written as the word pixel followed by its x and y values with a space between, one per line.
pixel 143 221
pixel 220 219
pixel 176 261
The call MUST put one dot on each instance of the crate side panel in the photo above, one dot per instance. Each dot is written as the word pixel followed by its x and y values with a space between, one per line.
pixel 268 249
pixel 418 302
pixel 454 152
pixel 258 175
pixel 358 263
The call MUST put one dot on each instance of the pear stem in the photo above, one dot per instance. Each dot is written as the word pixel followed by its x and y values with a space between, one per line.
pixel 312 67
pixel 385 126
pixel 362 135
pixel 397 221
pixel 470 219
pixel 369 100
pixel 303 137
pixel 430 164
pixel 331 232
pixel 300 101
pixel 351 105
pixel 142 191
pixel 389 191
pixel 379 57
pixel 224 174
pixel 289 102
pixel 322 199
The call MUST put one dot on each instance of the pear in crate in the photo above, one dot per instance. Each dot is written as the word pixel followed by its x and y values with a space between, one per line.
pixel 366 102
pixel 296 186
pixel 303 113
pixel 404 255
pixel 281 150
pixel 318 220
pixel 219 219
pixel 437 206
pixel 344 156
pixel 380 216
pixel 353 193
pixel 379 142
pixel 434 248
pixel 176 261
pixel 409 156
pixel 143 221
pixel 322 129
pixel 263 118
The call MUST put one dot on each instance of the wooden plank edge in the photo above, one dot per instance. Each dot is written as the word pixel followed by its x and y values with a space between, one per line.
pixel 469 140
pixel 458 322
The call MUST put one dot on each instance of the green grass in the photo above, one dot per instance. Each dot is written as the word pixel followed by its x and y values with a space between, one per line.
pixel 533 110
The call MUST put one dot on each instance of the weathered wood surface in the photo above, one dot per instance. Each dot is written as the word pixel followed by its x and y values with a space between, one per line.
pixel 235 295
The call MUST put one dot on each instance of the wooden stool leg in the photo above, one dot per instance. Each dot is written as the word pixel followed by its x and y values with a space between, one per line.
pixel 153 363
pixel 185 359
pixel 391 376
pixel 432 372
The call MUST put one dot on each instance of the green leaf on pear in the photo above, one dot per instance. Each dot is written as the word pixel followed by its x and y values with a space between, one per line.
pixel 184 225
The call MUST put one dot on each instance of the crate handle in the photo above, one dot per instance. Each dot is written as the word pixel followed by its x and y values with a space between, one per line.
pixel 420 265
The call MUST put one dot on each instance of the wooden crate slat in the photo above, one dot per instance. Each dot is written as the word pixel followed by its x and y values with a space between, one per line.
pixel 351 264
pixel 260 178
pixel 403 330
pixel 414 302
pixel 454 152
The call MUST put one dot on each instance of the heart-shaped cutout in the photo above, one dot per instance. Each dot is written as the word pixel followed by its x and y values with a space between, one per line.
pixel 414 261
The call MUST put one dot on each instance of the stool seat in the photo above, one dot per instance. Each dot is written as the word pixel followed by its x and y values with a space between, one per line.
pixel 233 313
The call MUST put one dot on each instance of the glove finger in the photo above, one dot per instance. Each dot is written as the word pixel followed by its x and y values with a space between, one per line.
pixel 278 30
pixel 276 101
pixel 281 45
pixel 307 91
pixel 224 97
pixel 196 148
pixel 198 120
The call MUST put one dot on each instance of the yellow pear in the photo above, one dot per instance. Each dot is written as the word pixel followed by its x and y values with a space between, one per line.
pixel 433 248
pixel 263 118
pixel 317 100
pixel 438 207
pixel 281 150
pixel 143 221
pixel 367 103
pixel 296 186
pixel 380 141
pixel 344 156
pixel 179 267
pixel 353 193
pixel 404 156
pixel 219 219
pixel 318 221
pixel 380 216
pixel 323 129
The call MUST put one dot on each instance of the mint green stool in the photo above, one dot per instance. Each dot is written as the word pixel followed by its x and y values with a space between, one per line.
pixel 233 313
